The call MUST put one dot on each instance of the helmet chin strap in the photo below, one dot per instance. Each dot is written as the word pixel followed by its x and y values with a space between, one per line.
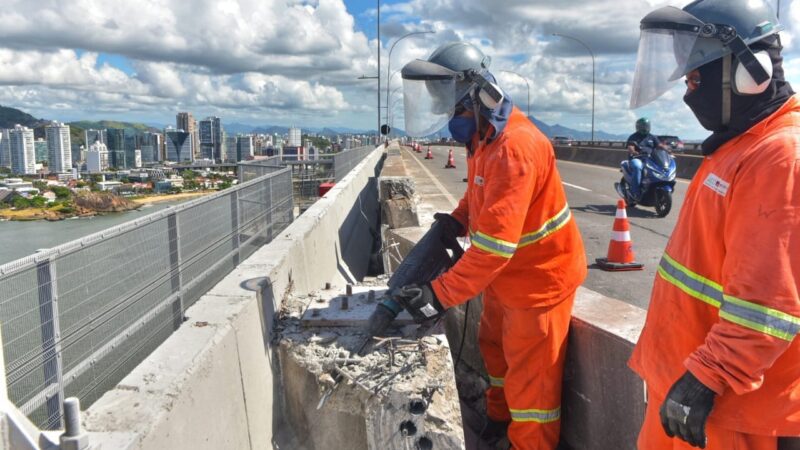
pixel 727 90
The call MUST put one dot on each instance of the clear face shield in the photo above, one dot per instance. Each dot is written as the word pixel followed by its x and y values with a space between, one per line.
pixel 668 49
pixel 430 92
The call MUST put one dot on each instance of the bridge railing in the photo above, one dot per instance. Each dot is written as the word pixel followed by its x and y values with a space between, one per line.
pixel 343 162
pixel 79 317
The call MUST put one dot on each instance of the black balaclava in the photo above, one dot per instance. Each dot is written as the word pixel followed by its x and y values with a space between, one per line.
pixel 746 110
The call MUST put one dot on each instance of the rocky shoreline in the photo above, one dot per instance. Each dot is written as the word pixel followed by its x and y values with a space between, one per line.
pixel 85 204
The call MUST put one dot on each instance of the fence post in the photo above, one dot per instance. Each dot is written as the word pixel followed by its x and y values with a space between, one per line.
pixel 176 281
pixel 51 340
pixel 235 226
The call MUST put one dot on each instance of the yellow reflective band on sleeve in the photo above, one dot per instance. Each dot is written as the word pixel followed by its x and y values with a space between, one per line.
pixel 550 226
pixel 689 282
pixel 760 318
pixel 496 382
pixel 741 312
pixel 493 245
pixel 535 415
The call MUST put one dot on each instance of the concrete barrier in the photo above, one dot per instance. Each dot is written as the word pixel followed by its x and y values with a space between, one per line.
pixel 610 157
pixel 214 383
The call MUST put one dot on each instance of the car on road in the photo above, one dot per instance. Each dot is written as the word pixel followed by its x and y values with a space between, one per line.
pixel 563 140
pixel 674 143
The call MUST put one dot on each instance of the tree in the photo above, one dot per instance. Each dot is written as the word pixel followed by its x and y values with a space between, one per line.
pixel 40 185
pixel 61 192
pixel 21 203
pixel 189 174
pixel 38 201
pixel 224 185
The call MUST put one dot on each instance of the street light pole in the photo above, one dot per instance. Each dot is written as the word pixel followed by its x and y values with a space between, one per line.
pixel 527 84
pixel 389 66
pixel 592 55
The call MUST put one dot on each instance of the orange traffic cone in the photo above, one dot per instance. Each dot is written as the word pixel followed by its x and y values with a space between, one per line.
pixel 451 162
pixel 430 154
pixel 620 249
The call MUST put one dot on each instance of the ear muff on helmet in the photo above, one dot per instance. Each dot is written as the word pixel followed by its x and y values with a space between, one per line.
pixel 743 82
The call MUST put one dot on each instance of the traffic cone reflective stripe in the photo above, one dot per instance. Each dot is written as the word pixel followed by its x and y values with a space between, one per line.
pixel 620 249
pixel 451 162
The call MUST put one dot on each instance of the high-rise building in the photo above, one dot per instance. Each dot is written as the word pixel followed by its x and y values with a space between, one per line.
pixel 116 147
pixel 137 158
pixel 245 148
pixel 151 147
pixel 91 136
pixel 211 138
pixel 231 149
pixel 23 153
pixel 5 149
pixel 185 121
pixel 295 137
pixel 179 145
pixel 97 157
pixel 59 147
pixel 40 149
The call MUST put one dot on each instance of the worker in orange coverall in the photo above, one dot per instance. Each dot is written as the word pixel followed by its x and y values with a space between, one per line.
pixel 719 351
pixel 526 253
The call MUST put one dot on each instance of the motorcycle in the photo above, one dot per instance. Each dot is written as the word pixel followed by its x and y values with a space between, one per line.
pixel 658 181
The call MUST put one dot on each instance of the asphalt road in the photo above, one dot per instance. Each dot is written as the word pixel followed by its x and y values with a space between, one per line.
pixel 592 198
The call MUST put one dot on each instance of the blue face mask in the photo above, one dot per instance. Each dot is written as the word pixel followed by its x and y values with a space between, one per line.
pixel 462 128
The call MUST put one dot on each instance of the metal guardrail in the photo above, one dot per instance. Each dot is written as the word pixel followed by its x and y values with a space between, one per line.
pixel 342 162
pixel 687 148
pixel 79 317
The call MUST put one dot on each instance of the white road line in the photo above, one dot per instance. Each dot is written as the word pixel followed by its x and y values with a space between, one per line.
pixel 580 188
pixel 448 196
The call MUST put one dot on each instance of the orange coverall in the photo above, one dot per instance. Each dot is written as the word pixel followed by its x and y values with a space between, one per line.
pixel 725 302
pixel 527 258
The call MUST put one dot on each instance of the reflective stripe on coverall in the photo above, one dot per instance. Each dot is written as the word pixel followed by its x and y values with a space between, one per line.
pixel 725 301
pixel 527 256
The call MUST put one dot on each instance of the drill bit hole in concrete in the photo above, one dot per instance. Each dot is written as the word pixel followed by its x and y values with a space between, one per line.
pixel 408 428
pixel 417 407
pixel 424 444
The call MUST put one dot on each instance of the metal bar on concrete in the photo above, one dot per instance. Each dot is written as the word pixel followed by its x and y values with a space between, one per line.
pixel 51 339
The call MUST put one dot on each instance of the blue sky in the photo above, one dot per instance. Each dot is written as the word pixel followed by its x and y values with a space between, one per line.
pixel 283 62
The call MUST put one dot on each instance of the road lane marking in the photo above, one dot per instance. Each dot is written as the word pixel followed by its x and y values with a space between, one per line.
pixel 580 188
pixel 436 182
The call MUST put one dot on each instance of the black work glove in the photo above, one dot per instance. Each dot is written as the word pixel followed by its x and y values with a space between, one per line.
pixel 684 412
pixel 452 226
pixel 420 302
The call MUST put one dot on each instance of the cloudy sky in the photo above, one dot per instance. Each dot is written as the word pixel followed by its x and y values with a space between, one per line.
pixel 287 62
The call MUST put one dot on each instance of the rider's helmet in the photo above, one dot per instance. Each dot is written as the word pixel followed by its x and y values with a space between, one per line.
pixel 643 125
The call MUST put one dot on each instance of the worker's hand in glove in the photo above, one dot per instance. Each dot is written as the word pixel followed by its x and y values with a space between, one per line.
pixel 684 412
pixel 420 302
pixel 452 226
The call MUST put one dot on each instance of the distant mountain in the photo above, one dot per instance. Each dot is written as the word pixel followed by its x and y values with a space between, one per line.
pixel 560 130
pixel 101 124
pixel 235 127
pixel 12 116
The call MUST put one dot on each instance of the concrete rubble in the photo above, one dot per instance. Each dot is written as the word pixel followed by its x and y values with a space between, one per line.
pixel 400 395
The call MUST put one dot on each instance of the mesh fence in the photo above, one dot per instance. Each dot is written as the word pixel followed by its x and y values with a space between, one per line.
pixel 79 317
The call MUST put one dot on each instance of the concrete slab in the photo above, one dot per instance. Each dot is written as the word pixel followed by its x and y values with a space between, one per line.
pixel 331 311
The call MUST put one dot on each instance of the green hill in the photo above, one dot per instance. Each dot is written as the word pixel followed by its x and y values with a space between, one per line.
pixel 11 116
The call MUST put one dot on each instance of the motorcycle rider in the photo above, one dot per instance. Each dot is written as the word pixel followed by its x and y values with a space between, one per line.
pixel 640 144
pixel 719 350
pixel 526 257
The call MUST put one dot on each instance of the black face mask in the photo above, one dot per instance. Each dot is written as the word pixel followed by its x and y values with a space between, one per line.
pixel 746 110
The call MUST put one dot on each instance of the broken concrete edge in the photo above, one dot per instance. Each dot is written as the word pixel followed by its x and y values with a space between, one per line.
pixel 374 402
pixel 210 384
